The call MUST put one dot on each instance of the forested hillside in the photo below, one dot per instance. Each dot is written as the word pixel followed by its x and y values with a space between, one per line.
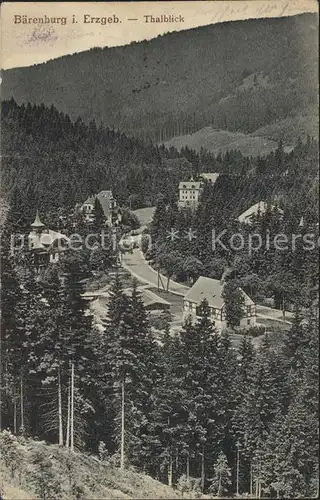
pixel 242 76
pixel 64 162
pixel 191 410
pixel 55 163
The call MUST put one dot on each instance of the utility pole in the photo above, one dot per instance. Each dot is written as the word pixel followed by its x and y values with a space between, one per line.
pixel 202 469
pixel 122 426
pixel 15 416
pixel 238 466
pixel 60 408
pixel 170 470
pixel 0 381
pixel 68 416
pixel 72 409
pixel 21 405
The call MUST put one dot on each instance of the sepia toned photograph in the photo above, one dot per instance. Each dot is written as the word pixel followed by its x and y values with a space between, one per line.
pixel 159 214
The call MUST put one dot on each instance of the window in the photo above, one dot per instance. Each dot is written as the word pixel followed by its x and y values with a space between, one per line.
pixel 249 322
pixel 250 310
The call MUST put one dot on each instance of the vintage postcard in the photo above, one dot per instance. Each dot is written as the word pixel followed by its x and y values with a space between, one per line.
pixel 159 250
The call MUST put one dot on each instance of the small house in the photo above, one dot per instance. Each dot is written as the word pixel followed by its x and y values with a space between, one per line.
pixel 212 291
pixel 46 245
pixel 108 204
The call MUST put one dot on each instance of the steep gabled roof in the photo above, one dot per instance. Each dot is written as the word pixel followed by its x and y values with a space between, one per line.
pixel 210 289
pixel 260 207
pixel 210 176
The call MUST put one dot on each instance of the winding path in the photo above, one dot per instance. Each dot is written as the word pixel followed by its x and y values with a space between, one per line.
pixel 137 265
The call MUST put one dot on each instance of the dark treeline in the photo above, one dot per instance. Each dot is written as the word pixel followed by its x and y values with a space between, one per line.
pixel 65 162
pixel 62 163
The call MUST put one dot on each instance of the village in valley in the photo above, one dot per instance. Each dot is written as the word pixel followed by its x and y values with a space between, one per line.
pixel 167 302
pixel 159 219
pixel 120 303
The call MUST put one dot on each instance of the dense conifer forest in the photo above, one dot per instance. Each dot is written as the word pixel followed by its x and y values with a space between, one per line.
pixel 191 410
pixel 64 162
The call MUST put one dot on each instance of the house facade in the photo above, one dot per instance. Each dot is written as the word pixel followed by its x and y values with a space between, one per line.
pixel 108 204
pixel 211 290
pixel 46 245
pixel 190 191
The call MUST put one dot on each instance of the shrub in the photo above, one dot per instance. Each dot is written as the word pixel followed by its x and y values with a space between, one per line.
pixel 43 478
pixel 252 331
pixel 162 321
pixel 9 451
pixel 190 486
pixel 145 244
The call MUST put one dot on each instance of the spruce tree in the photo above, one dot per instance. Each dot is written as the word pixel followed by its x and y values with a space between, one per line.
pixel 129 355
pixel 234 303
pixel 99 217
pixel 159 222
pixel 199 381
pixel 221 480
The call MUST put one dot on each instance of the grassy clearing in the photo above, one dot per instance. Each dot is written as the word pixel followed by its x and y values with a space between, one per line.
pixel 217 141
pixel 144 215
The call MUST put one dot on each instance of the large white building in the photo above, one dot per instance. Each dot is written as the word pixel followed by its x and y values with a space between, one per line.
pixel 211 290
pixel 190 191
